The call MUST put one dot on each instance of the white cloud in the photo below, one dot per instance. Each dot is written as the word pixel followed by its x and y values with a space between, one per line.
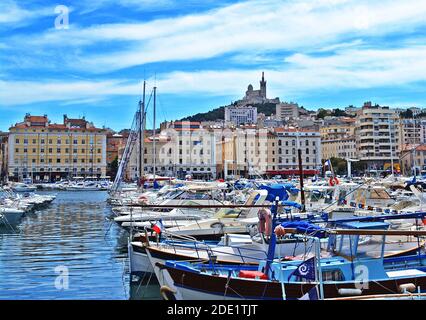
pixel 26 92
pixel 338 30
pixel 247 27
pixel 303 74
pixel 251 26
pixel 347 69
pixel 12 15
pixel 147 5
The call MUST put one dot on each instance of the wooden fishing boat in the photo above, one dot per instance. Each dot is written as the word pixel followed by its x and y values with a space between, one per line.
pixel 349 270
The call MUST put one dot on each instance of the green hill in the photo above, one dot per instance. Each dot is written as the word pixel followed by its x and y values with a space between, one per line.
pixel 219 113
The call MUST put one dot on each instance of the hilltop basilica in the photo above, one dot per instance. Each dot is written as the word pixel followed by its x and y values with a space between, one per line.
pixel 256 96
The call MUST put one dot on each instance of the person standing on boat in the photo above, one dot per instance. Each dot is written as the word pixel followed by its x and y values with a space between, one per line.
pixel 265 222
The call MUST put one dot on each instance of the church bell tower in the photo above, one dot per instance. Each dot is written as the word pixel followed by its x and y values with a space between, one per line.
pixel 263 86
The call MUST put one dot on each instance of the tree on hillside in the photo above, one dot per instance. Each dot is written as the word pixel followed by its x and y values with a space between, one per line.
pixel 339 113
pixel 406 114
pixel 322 113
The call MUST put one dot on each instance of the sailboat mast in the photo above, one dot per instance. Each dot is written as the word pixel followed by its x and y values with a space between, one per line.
pixel 153 129
pixel 302 188
pixel 141 130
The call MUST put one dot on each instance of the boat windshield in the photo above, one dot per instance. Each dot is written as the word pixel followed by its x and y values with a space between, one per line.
pixel 356 247
pixel 195 196
pixel 317 195
pixel 172 194
pixel 370 246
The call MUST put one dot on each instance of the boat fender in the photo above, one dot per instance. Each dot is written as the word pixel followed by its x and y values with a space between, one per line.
pixel 167 293
pixel 143 199
pixel 279 231
pixel 333 181
pixel 350 292
pixel 407 287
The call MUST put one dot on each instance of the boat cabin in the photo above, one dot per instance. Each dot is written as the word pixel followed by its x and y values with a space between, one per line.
pixel 348 257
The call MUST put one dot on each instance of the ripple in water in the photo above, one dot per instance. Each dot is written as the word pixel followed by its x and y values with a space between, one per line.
pixel 73 235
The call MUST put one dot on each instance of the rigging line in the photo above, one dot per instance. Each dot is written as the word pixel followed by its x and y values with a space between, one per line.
pixel 8 224
pixel 378 283
pixel 160 104
pixel 146 110
pixel 147 284
pixel 227 286
pixel 149 101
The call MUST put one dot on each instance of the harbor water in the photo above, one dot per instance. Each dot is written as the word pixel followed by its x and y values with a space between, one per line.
pixel 69 250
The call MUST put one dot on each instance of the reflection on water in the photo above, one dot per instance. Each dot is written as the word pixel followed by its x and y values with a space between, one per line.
pixel 69 250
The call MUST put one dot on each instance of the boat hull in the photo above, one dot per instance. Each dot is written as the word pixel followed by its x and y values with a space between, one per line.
pixel 139 261
pixel 193 285
pixel 10 218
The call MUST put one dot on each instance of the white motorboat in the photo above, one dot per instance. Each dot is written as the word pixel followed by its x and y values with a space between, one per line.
pixel 23 187
pixel 226 220
pixel 10 216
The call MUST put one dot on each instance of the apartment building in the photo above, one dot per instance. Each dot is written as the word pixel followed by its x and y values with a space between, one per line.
pixel 245 152
pixel 116 142
pixel 411 132
pixel 337 128
pixel 286 111
pixel 344 147
pixel 289 140
pixel 240 114
pixel 181 148
pixel 377 136
pixel 413 160
pixel 48 152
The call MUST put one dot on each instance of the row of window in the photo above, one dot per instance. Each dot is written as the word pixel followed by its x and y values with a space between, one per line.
pixel 53 130
pixel 172 168
pixel 58 160
pixel 58 150
pixel 293 143
pixel 181 161
pixel 50 141
pixel 57 170
pixel 307 159
pixel 293 151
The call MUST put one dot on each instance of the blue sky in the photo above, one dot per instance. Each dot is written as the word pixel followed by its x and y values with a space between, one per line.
pixel 203 54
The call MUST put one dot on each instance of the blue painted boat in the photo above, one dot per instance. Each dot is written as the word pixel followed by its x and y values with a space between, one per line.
pixel 350 270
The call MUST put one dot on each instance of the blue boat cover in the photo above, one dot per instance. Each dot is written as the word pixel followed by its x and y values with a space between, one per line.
pixel 277 190
pixel 156 185
pixel 294 190
pixel 291 204
pixel 305 227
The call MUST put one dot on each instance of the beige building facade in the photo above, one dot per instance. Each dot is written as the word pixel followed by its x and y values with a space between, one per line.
pixel 44 151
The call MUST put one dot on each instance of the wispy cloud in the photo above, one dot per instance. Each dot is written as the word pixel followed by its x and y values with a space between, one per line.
pixel 252 26
pixel 149 5
pixel 303 74
pixel 25 92
pixel 303 46
pixel 12 15
pixel 346 69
